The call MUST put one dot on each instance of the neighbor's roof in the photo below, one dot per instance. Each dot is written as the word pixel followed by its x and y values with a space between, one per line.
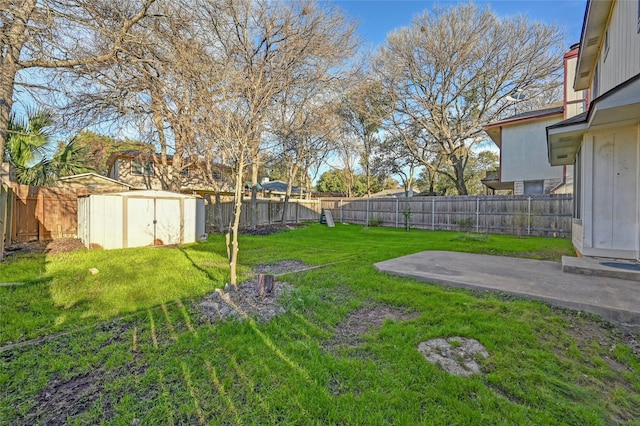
pixel 91 174
pixel 279 186
pixel 396 192
pixel 529 115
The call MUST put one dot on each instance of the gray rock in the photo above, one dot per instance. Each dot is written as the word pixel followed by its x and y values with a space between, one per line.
pixel 456 355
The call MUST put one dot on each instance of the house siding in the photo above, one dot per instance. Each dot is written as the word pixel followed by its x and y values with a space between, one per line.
pixel 622 61
pixel 610 222
pixel 122 169
pixel 574 101
pixel 524 152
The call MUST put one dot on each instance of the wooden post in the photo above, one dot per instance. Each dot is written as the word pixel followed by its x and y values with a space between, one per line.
pixel 4 207
pixel 266 282
pixel 40 207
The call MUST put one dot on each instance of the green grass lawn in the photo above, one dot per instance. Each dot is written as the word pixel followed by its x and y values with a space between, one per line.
pixel 129 345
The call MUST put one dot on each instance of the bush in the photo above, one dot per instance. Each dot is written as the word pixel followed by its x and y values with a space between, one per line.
pixel 375 221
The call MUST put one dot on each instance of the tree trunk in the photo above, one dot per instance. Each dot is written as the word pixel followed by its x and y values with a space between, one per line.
pixel 266 284
pixel 253 206
pixel 285 208
pixel 458 167
pixel 220 223
pixel 8 71
pixel 232 247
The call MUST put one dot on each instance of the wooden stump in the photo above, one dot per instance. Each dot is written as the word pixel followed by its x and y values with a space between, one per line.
pixel 266 283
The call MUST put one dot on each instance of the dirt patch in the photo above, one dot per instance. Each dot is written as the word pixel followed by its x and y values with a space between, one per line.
pixel 64 245
pixel 271 229
pixel 52 247
pixel 245 301
pixel 349 333
pixel 63 399
pixel 586 333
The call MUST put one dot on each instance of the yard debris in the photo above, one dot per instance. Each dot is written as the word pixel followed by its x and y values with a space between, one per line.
pixel 245 301
pixel 456 355
pixel 94 271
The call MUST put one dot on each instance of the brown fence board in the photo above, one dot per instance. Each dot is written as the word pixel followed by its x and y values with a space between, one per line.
pixel 268 212
pixel 40 213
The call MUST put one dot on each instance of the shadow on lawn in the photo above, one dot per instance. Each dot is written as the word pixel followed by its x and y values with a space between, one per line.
pixel 195 265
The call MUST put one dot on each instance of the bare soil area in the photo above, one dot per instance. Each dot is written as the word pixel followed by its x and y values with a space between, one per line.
pixel 349 333
pixel 52 247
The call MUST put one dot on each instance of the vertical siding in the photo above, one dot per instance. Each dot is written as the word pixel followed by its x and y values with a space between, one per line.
pixel 524 152
pixel 623 59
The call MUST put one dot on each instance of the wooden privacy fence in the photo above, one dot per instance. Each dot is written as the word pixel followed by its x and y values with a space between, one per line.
pixel 268 212
pixel 544 215
pixel 40 213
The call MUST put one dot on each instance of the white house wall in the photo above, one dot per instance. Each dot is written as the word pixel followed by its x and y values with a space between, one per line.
pixel 622 61
pixel 524 152
pixel 609 225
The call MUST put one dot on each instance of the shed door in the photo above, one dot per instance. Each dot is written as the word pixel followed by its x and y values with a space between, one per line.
pixel 168 221
pixel 140 217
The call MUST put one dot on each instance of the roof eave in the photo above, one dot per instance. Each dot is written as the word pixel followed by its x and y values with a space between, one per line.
pixel 593 29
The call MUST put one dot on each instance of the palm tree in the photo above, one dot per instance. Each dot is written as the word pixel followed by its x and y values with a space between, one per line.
pixel 27 148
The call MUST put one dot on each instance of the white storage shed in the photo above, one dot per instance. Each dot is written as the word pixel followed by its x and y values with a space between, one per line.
pixel 139 218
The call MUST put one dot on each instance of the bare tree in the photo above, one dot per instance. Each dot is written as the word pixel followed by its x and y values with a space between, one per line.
pixel 450 72
pixel 395 159
pixel 163 79
pixel 363 110
pixel 263 49
pixel 59 33
pixel 304 126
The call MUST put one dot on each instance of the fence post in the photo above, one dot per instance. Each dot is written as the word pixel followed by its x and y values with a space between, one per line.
pixel 367 217
pixel 341 220
pixel 529 215
pixel 433 213
pixel 4 207
pixel 397 210
pixel 477 215
pixel 297 212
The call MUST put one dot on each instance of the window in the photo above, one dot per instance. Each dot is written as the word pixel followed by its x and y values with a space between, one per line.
pixel 533 187
pixel 144 168
pixel 217 176
pixel 184 172
pixel 577 186
pixel 606 45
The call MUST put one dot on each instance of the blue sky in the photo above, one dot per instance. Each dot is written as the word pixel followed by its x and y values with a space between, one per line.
pixel 378 17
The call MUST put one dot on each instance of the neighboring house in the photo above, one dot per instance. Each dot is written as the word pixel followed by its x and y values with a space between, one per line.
pixel 397 193
pixel 524 164
pixel 91 183
pixel 524 168
pixel 603 143
pixel 145 171
pixel 277 189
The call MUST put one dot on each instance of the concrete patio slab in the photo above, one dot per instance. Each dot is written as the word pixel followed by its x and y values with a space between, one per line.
pixel 616 300
pixel 602 267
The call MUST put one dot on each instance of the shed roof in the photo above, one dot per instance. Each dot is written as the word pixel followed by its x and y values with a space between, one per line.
pixel 149 193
